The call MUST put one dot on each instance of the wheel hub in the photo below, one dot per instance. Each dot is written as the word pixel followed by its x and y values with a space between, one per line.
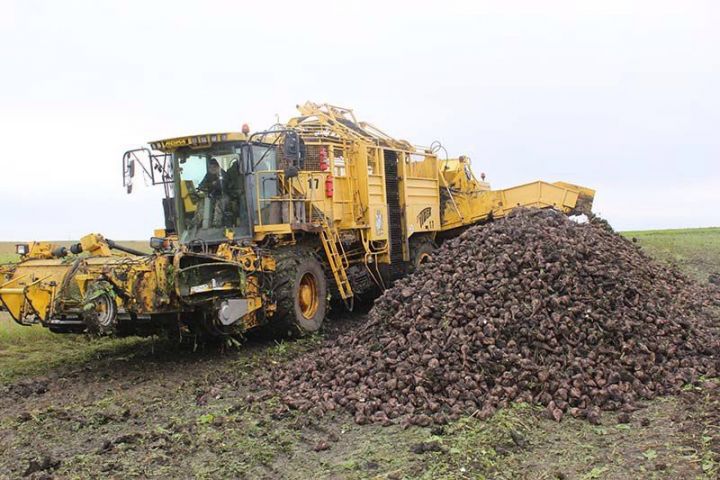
pixel 104 311
pixel 308 295
pixel 423 258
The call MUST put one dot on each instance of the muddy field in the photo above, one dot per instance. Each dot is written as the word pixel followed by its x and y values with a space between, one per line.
pixel 80 408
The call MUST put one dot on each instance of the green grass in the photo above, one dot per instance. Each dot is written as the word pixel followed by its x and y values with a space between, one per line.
pixel 475 448
pixel 12 334
pixel 694 250
pixel 27 351
pixel 8 258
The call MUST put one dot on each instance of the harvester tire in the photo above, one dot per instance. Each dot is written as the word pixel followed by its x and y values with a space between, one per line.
pixel 301 292
pixel 420 252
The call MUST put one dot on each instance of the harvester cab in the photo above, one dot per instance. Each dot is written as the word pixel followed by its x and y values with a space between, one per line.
pixel 216 185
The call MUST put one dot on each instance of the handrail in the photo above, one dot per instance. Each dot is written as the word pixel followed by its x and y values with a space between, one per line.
pixel 452 199
pixel 310 200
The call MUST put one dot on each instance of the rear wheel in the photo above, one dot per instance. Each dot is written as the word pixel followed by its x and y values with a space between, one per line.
pixel 300 290
pixel 420 253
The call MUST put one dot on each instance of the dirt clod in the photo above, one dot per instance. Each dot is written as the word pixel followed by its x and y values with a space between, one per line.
pixel 106 446
pixel 623 418
pixel 24 417
pixel 27 388
pixel 45 463
pixel 423 447
pixel 518 439
pixel 532 308
pixel 321 446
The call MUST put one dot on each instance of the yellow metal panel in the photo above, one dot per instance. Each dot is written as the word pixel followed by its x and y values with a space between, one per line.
pixel 537 194
pixel 94 244
pixel 32 287
pixel 422 205
pixel 196 141
pixel 40 297
pixel 471 207
pixel 280 228
pixel 13 298
pixel 378 208
pixel 188 204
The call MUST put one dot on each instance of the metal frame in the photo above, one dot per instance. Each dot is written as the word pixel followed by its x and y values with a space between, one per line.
pixel 157 162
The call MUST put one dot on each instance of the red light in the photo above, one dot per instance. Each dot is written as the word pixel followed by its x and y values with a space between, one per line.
pixel 245 128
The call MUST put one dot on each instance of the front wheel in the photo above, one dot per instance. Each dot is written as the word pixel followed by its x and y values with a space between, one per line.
pixel 301 292
pixel 99 310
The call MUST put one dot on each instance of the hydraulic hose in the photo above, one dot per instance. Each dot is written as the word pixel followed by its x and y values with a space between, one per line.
pixel 122 248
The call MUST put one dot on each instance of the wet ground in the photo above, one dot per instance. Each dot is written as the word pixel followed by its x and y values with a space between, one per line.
pixel 153 410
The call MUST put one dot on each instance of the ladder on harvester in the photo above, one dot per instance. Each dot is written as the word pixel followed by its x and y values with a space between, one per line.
pixel 338 261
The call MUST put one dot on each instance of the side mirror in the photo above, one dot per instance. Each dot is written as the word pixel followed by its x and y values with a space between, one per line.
pixel 131 168
pixel 128 172
pixel 245 161
pixel 291 144
pixel 294 149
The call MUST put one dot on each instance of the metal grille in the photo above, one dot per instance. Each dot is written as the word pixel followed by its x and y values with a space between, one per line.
pixel 312 157
pixel 394 214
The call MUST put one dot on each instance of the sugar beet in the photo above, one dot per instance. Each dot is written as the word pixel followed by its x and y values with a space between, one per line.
pixel 534 308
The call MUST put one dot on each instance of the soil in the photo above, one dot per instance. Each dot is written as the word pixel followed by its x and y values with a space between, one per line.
pixel 160 412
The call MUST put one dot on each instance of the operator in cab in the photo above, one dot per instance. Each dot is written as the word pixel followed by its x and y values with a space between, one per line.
pixel 212 183
pixel 216 186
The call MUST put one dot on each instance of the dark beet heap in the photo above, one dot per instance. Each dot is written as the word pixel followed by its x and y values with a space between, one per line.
pixel 533 308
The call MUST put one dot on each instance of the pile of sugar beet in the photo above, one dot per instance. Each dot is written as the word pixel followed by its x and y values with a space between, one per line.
pixel 533 308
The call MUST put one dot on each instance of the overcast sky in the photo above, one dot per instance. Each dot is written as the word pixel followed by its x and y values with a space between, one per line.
pixel 620 96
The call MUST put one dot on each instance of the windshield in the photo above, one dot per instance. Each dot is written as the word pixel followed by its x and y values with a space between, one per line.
pixel 228 187
pixel 212 194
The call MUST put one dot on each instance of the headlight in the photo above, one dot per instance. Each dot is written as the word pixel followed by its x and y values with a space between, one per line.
pixel 157 243
pixel 22 249
pixel 160 243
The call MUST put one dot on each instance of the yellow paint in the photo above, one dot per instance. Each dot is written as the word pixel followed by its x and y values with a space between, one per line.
pixel 169 145
pixel 95 245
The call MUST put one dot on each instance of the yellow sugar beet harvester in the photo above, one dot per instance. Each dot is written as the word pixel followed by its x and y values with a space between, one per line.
pixel 265 228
